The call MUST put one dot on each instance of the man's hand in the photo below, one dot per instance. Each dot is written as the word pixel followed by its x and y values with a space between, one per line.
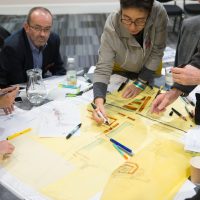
pixel 99 102
pixel 131 91
pixel 189 75
pixel 7 100
pixel 165 99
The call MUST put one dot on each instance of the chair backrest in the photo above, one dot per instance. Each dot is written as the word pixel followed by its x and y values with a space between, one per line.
pixel 3 35
pixel 166 1
pixel 191 8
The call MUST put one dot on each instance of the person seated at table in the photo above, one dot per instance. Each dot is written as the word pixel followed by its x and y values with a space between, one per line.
pixel 188 40
pixel 33 46
pixel 186 79
pixel 7 99
pixel 6 148
pixel 132 43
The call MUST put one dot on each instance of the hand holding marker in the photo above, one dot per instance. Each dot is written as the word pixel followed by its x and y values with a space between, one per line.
pixel 100 114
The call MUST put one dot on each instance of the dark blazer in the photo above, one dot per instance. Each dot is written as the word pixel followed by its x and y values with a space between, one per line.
pixel 16 58
pixel 195 61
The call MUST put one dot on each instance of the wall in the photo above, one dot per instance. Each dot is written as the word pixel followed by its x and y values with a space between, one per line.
pixel 58 6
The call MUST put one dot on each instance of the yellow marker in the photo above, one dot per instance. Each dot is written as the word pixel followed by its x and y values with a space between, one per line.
pixel 18 134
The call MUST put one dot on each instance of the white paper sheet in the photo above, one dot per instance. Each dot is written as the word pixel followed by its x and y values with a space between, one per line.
pixel 186 191
pixel 18 121
pixel 58 118
pixel 192 140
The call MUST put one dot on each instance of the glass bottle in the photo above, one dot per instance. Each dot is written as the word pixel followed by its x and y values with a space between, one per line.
pixel 35 90
pixel 71 72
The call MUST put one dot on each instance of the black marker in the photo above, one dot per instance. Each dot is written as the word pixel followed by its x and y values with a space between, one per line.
pixel 73 131
pixel 179 114
pixel 121 87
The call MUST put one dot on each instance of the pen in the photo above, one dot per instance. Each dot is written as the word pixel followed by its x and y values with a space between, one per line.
pixel 100 114
pixel 185 100
pixel 121 87
pixel 122 147
pixel 120 151
pixel 86 89
pixel 73 131
pixel 18 134
pixel 159 91
pixel 191 102
pixel 189 112
pixel 87 78
pixel 179 114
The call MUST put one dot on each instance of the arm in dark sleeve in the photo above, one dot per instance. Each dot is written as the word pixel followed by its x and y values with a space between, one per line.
pixel 195 61
pixel 99 90
pixel 58 68
pixel 3 74
pixel 11 68
pixel 186 89
pixel 146 74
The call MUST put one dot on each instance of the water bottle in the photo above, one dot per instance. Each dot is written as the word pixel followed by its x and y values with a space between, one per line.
pixel 71 72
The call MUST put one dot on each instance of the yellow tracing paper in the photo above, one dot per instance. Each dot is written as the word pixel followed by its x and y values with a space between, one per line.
pixel 80 167
pixel 154 173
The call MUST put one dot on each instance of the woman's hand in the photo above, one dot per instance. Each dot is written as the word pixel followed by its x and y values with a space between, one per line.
pixel 99 102
pixel 131 91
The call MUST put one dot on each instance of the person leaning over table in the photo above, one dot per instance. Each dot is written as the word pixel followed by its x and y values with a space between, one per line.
pixel 33 46
pixel 186 79
pixel 188 40
pixel 132 43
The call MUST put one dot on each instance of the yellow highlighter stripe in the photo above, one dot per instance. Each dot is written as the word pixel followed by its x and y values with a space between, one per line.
pixel 18 134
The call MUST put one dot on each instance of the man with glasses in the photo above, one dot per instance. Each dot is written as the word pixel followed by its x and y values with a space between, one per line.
pixel 34 46
pixel 132 45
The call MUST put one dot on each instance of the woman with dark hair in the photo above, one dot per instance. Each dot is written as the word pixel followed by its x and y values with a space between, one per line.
pixel 132 45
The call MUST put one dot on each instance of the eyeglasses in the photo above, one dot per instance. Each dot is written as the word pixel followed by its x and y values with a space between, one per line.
pixel 137 22
pixel 40 29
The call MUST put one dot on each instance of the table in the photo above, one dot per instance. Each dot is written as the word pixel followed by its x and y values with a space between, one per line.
pixel 78 159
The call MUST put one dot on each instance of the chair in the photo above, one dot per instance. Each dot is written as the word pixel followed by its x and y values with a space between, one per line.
pixel 173 11
pixel 191 8
pixel 3 35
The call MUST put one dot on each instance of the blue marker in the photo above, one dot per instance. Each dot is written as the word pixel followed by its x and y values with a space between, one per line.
pixel 122 147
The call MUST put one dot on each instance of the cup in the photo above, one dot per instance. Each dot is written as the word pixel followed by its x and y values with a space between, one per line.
pixel 168 78
pixel 195 170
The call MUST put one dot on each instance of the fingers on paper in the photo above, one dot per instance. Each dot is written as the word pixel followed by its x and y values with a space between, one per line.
pixel 131 91
pixel 159 104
